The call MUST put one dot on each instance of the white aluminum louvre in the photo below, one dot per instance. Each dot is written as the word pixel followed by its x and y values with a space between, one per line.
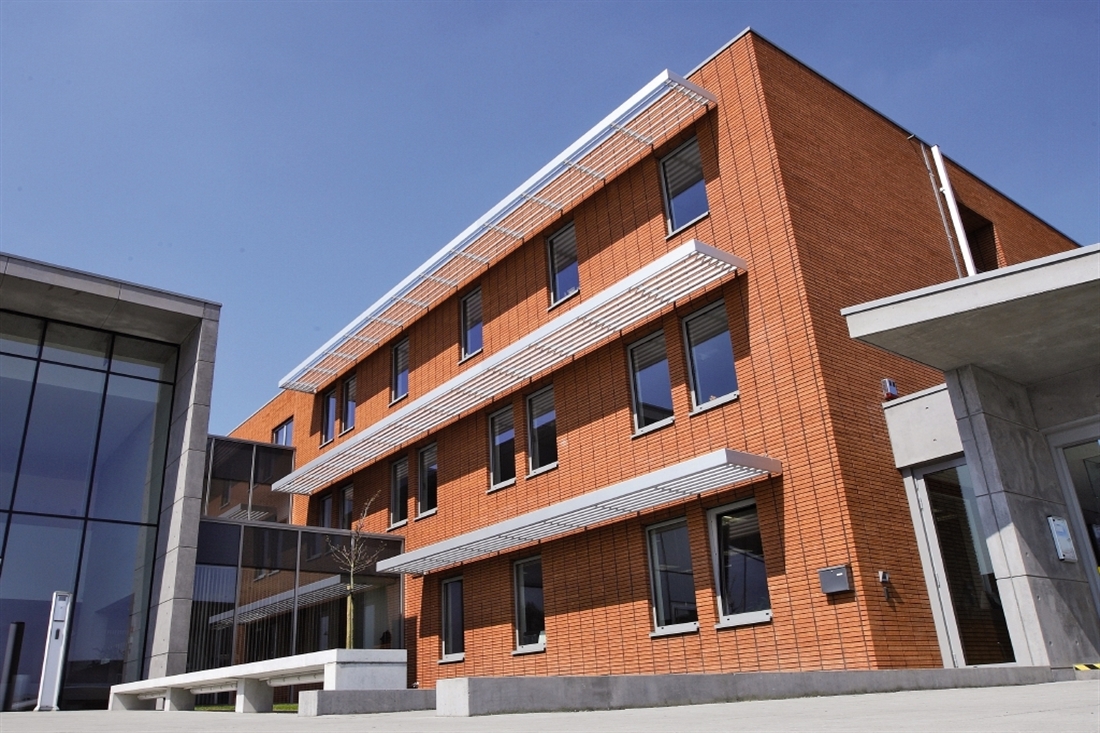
pixel 682 272
pixel 684 480
pixel 653 115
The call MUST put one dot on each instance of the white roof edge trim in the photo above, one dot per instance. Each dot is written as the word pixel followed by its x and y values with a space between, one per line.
pixel 690 249
pixel 754 466
pixel 623 114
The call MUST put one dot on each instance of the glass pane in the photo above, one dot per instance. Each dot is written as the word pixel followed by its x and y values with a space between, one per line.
pixel 685 188
pixel 328 415
pixel 265 608
pixel 284 434
pixel 454 628
pixel 57 456
pixel 129 469
pixel 16 378
pixel 219 544
pixel 230 476
pixel 543 429
pixel 108 626
pixel 529 603
pixel 674 580
pixel 565 276
pixel 20 334
pixel 711 356
pixel 471 323
pixel 41 558
pixel 503 448
pixel 743 584
pixel 652 384
pixel 1084 470
pixel 349 403
pixel 75 345
pixel 272 464
pixel 429 479
pixel 210 643
pixel 400 370
pixel 141 358
pixel 970 580
pixel 399 491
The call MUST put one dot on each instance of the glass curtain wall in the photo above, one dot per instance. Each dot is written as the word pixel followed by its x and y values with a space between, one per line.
pixel 84 417
pixel 238 480
pixel 263 592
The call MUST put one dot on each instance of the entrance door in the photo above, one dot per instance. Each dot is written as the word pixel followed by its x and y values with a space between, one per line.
pixel 1077 456
pixel 966 585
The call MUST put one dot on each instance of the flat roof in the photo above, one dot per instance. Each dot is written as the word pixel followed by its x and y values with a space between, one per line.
pixel 1027 322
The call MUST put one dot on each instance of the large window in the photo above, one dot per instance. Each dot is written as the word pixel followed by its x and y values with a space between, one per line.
pixel 673 579
pixel 542 430
pixel 328 415
pixel 284 434
pixel 454 627
pixel 530 614
pixel 400 383
pixel 651 387
pixel 685 190
pixel 471 324
pixel 348 403
pixel 739 564
pixel 427 481
pixel 502 449
pixel 399 492
pixel 564 275
pixel 710 356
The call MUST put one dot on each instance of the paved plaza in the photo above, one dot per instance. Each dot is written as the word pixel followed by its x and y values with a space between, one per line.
pixel 1065 707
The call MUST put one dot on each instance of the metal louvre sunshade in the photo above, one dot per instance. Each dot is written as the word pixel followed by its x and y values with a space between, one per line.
pixel 653 115
pixel 704 473
pixel 685 270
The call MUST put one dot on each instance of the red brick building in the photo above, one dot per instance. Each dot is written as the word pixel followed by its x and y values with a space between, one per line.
pixel 655 351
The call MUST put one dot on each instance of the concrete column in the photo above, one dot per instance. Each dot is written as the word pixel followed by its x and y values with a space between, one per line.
pixel 178 698
pixel 255 696
pixel 1047 603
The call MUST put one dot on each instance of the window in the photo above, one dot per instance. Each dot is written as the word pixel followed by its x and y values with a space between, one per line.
pixel 530 617
pixel 328 415
pixel 471 324
pixel 400 386
pixel 324 511
pixel 454 628
pixel 347 507
pixel 710 356
pixel 399 492
pixel 685 190
pixel 564 277
pixel 740 579
pixel 542 430
pixel 650 384
pixel 673 580
pixel 502 449
pixel 428 481
pixel 284 434
pixel 349 402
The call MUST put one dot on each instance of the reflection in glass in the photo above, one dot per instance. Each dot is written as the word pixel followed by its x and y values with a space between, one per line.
pixel 16 378
pixel 20 334
pixel 710 355
pixel 41 558
pixel 265 596
pixel 266 505
pixel 141 358
pixel 108 625
pixel 57 456
pixel 743 584
pixel 685 188
pixel 229 479
pixel 564 273
pixel 503 447
pixel 75 345
pixel 651 382
pixel 210 640
pixel 673 577
pixel 970 579
pixel 129 467
pixel 542 429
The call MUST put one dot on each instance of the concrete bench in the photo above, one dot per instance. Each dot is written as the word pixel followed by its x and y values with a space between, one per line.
pixel 254 683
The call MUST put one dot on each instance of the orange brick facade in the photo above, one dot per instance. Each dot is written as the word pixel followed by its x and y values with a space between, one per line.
pixel 830 205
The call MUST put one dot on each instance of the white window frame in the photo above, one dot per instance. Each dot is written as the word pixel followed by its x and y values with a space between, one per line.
pixel 540 645
pixel 287 428
pixel 420 477
pixel 693 389
pixel 444 657
pixel 531 470
pixel 635 405
pixel 394 396
pixel 493 484
pixel 464 348
pixel 669 629
pixel 394 503
pixel 733 619
pixel 664 190
pixel 555 297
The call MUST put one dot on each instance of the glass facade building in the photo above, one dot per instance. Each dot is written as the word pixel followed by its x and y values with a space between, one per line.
pixel 83 438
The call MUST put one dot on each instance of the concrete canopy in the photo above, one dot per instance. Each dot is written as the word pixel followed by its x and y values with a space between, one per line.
pixel 1028 322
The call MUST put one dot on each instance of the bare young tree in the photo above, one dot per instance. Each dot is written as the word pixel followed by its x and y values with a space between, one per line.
pixel 355 556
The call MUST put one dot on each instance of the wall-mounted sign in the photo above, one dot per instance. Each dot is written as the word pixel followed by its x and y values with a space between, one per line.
pixel 1063 543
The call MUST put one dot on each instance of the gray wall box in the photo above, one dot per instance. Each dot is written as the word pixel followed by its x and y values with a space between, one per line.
pixel 835 579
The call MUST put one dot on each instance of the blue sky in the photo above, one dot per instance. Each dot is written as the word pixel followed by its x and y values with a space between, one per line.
pixel 293 161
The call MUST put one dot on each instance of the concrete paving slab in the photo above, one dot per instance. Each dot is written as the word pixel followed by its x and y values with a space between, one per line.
pixel 1066 707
